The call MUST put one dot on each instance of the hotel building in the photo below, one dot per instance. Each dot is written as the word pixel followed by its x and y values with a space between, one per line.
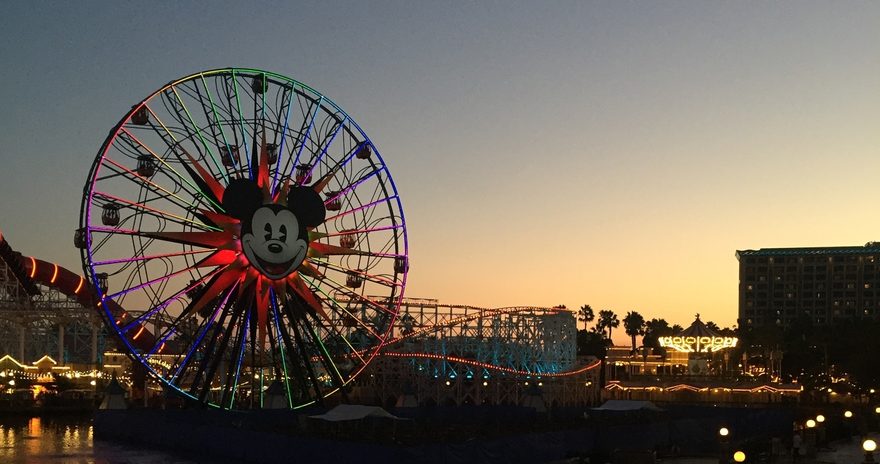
pixel 781 285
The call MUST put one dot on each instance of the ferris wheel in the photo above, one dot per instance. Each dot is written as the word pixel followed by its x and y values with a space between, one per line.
pixel 243 232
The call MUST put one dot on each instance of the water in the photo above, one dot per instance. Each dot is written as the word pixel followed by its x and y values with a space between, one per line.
pixel 68 440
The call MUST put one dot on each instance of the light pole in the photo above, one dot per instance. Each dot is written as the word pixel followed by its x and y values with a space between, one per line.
pixel 724 440
pixel 810 436
pixel 847 424
pixel 820 430
pixel 869 446
pixel 739 456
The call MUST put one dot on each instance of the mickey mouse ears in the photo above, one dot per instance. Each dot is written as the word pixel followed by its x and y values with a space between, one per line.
pixel 242 197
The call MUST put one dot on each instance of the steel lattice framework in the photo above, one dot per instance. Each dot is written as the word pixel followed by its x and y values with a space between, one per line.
pixel 455 354
pixel 39 316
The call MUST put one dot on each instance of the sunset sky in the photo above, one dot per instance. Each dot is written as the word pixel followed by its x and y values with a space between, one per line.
pixel 610 153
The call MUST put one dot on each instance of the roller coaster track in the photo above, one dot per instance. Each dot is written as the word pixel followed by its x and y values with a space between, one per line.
pixel 426 331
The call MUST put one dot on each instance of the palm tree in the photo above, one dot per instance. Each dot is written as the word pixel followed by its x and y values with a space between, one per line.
pixel 586 315
pixel 608 320
pixel 654 329
pixel 634 324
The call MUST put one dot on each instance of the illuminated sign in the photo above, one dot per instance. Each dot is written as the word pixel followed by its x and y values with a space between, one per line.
pixel 698 344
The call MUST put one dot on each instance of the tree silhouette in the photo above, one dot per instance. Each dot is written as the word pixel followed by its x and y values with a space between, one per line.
pixel 634 324
pixel 654 329
pixel 608 321
pixel 586 315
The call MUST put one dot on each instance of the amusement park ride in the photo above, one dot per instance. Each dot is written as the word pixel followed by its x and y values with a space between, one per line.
pixel 238 230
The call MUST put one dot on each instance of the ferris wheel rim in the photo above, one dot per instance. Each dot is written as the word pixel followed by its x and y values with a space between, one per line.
pixel 87 253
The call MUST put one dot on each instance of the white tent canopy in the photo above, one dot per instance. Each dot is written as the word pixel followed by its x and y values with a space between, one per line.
pixel 350 412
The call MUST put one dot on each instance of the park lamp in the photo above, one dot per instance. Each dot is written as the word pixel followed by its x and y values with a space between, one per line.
pixel 820 418
pixel 848 414
pixel 739 456
pixel 811 423
pixel 723 432
pixel 877 410
pixel 869 446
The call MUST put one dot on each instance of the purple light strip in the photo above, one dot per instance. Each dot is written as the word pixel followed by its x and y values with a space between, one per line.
pixel 151 282
pixel 247 321
pixel 354 185
pixel 305 136
pixel 365 231
pixel 368 205
pixel 155 347
pixel 202 335
pixel 167 302
pixel 281 145
pixel 327 146
pixel 144 258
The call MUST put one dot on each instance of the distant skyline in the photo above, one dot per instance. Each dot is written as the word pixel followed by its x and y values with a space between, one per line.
pixel 615 154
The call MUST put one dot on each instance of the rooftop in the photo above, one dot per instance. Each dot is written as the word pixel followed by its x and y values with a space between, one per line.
pixel 870 247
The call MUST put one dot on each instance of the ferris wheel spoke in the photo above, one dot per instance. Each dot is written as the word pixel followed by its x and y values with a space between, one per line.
pixel 351 187
pixel 348 293
pixel 199 134
pixel 217 123
pixel 201 332
pixel 361 208
pixel 275 183
pixel 282 350
pixel 213 240
pixel 324 355
pixel 154 211
pixel 164 304
pixel 326 146
pixel 306 356
pixel 364 231
pixel 241 119
pixel 151 186
pixel 332 327
pixel 198 192
pixel 145 284
pixel 306 135
pixel 372 278
pixel 214 353
pixel 148 257
pixel 240 343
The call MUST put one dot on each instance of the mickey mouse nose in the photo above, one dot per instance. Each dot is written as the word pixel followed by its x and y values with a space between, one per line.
pixel 275 248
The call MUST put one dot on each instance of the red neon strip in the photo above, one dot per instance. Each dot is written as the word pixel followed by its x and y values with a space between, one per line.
pixel 54 274
pixel 138 334
pixel 78 287
pixel 490 366
pixel 33 267
pixel 160 348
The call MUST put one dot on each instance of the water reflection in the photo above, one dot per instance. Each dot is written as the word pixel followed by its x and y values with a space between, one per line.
pixel 67 440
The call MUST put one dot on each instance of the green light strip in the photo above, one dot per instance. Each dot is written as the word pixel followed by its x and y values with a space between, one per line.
pixel 336 303
pixel 238 367
pixel 184 179
pixel 216 117
pixel 283 359
pixel 168 192
pixel 324 350
pixel 241 124
pixel 199 133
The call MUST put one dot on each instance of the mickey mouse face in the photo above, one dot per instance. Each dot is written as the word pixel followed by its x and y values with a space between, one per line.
pixel 274 237
pixel 274 245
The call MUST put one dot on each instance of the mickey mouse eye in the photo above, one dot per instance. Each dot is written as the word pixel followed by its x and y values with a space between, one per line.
pixel 268 230
pixel 283 231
